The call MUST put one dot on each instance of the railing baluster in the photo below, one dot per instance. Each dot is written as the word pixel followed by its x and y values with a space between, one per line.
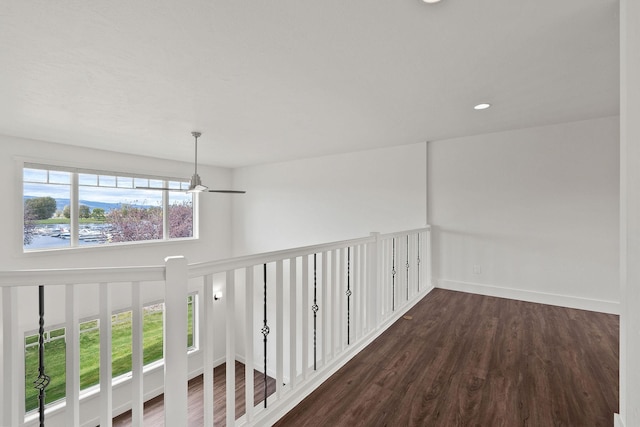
pixel 207 349
pixel 335 292
pixel 293 320
pixel 231 350
pixel 305 316
pixel 325 308
pixel 418 260
pixel 348 293
pixel 72 357
pixel 372 283
pixel 357 289
pixel 342 288
pixel 106 396
pixel 137 356
pixel 248 344
pixel 315 308
pixel 265 333
pixel 362 292
pixel 393 274
pixel 406 257
pixel 279 329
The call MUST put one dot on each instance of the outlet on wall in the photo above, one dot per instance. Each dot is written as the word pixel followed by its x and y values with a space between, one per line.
pixel 477 269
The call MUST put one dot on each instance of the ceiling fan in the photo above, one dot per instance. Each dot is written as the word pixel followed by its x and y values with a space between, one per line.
pixel 195 184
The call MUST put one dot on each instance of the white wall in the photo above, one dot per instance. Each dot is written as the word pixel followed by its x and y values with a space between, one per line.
pixel 530 214
pixel 329 198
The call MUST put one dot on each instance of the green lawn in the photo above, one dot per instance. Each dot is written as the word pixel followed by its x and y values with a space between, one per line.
pixel 90 354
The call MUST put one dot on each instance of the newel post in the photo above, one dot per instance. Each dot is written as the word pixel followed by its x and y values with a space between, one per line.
pixel 373 273
pixel 175 341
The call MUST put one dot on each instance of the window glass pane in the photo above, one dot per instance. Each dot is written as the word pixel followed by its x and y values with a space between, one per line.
pixel 45 215
pixel 59 177
pixel 180 214
pixel 190 321
pixel 156 183
pixel 125 182
pixel 107 181
pixel 152 333
pixel 121 344
pixel 89 354
pixel 87 179
pixel 55 362
pixel 34 175
pixel 140 182
pixel 114 215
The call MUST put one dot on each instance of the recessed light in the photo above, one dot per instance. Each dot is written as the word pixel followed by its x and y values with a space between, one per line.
pixel 482 106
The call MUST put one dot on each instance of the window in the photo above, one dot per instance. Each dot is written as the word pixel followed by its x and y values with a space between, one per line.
pixel 55 347
pixel 67 207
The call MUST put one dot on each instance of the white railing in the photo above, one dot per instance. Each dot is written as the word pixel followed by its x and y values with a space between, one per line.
pixel 311 308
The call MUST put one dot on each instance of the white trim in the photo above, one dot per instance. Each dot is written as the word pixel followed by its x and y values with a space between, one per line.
pixel 601 306
pixel 617 421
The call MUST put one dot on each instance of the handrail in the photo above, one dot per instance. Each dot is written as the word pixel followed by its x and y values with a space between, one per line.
pixel 64 276
pixel 67 276
pixel 218 266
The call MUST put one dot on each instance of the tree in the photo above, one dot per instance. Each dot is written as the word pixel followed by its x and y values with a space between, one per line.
pixel 29 226
pixel 181 220
pixel 41 207
pixel 132 223
pixel 97 213
pixel 66 212
pixel 84 211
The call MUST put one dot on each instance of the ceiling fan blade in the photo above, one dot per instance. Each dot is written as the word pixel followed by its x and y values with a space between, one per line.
pixel 227 191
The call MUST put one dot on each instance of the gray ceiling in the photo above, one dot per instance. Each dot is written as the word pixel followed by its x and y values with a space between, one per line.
pixel 275 80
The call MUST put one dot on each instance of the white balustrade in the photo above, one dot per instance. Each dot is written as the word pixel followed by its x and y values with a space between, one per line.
pixel 357 297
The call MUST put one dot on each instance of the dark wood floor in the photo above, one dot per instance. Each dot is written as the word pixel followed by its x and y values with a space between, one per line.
pixel 459 359
pixel 154 408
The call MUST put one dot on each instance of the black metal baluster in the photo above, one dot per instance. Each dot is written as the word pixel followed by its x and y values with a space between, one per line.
pixel 43 380
pixel 265 332
pixel 348 293
pixel 315 309
pixel 393 275
pixel 418 262
pixel 407 266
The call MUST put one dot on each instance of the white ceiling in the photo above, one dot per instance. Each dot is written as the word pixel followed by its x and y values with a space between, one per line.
pixel 276 80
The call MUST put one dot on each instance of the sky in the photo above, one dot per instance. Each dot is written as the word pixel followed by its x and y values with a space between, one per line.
pixel 111 190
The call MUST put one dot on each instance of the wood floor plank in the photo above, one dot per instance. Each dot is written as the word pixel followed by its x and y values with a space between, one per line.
pixel 154 408
pixel 470 360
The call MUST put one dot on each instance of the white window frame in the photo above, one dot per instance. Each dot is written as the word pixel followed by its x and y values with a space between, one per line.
pixel 74 227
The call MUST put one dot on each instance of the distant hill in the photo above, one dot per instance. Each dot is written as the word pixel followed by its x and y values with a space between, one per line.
pixel 61 203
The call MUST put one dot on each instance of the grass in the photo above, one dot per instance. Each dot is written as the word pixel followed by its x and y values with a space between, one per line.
pixel 90 353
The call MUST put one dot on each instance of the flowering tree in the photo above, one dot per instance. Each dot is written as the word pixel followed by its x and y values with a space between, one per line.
pixel 133 223
pixel 181 220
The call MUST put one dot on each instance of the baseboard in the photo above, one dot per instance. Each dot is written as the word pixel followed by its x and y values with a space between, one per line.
pixel 617 421
pixel 610 307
